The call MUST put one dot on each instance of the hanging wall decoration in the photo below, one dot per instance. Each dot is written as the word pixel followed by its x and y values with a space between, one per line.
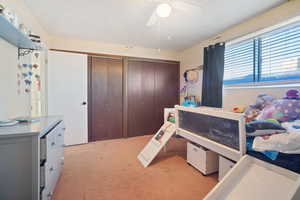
pixel 19 80
pixel 36 54
pixel 24 74
pixel 29 80
pixel 35 66
pixel 191 78
pixel 36 82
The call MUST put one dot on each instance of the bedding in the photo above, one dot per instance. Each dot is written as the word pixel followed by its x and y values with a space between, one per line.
pixel 270 154
pixel 282 110
pixel 285 143
pixel 281 149
pixel 263 127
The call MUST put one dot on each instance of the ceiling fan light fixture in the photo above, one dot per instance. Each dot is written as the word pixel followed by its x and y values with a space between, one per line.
pixel 163 10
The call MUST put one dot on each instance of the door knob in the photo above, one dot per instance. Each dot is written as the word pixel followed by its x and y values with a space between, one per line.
pixel 84 103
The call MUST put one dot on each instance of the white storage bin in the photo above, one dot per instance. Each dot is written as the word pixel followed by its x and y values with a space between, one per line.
pixel 225 165
pixel 202 159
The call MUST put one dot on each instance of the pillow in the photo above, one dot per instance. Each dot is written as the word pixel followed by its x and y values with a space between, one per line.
pixel 263 128
pixel 282 110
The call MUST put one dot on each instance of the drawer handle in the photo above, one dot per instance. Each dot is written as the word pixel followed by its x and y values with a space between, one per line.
pixel 64 129
pixel 51 169
pixel 60 135
pixel 53 143
pixel 195 149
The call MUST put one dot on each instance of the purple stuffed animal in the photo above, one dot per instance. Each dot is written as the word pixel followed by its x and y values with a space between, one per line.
pixel 286 109
pixel 292 94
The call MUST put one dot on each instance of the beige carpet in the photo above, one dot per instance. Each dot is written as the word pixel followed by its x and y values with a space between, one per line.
pixel 109 170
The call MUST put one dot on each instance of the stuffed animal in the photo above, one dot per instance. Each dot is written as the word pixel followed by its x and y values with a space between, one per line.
pixel 282 110
pixel 292 94
pixel 171 117
pixel 263 128
pixel 251 114
pixel 238 109
pixel 262 101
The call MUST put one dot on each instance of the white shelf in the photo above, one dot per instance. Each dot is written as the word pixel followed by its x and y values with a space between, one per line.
pixel 14 36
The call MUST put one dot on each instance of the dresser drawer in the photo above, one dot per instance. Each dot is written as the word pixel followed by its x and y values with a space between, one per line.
pixel 42 177
pixel 51 173
pixel 52 144
pixel 52 157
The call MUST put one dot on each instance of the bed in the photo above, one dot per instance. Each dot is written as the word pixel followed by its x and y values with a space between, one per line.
pixel 215 129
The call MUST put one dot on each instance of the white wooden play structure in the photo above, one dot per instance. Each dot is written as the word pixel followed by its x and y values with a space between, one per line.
pixel 215 129
pixel 156 144
pixel 241 176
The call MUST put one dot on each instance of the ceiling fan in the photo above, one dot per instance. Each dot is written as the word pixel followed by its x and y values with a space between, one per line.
pixel 165 8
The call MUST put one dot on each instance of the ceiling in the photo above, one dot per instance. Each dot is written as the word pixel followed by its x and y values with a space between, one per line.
pixel 124 21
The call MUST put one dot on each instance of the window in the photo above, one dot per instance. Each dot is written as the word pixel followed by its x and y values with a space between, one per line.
pixel 272 56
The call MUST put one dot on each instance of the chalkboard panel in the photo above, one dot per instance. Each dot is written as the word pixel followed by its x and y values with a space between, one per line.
pixel 221 130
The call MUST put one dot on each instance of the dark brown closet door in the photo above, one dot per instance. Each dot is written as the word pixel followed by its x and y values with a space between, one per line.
pixel 166 89
pixel 105 98
pixel 152 86
pixel 140 91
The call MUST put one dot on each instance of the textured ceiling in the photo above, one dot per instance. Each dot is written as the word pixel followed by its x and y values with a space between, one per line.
pixel 124 21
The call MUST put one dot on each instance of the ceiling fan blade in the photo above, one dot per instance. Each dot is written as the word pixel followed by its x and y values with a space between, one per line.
pixel 181 5
pixel 153 19
pixel 197 3
pixel 156 1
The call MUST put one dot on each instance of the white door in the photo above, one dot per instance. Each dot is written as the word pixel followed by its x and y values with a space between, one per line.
pixel 67 93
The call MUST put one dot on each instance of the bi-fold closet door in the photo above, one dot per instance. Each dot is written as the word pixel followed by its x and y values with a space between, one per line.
pixel 105 98
pixel 151 86
pixel 127 96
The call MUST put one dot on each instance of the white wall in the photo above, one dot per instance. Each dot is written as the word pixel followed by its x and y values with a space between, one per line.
pixel 193 56
pixel 72 44
pixel 11 103
pixel 244 97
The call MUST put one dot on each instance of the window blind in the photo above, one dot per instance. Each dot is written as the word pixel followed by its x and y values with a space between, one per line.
pixel 272 56
pixel 238 64
pixel 280 54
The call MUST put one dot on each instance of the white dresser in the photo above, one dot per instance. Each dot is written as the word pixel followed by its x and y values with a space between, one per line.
pixel 31 159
